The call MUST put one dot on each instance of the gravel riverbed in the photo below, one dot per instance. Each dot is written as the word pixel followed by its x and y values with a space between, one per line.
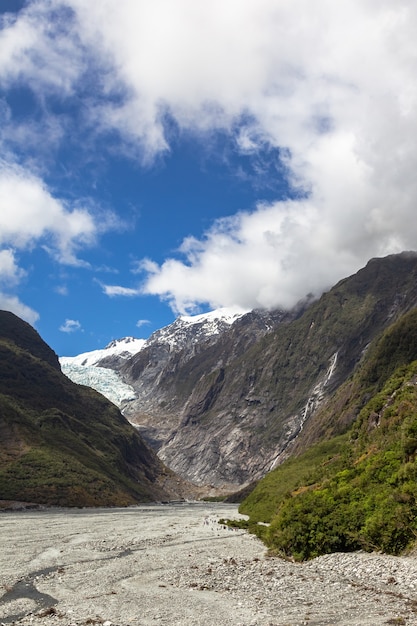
pixel 175 565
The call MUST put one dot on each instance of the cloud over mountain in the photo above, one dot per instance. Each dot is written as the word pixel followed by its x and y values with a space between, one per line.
pixel 331 86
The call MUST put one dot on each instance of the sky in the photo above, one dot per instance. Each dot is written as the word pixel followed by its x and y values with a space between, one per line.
pixel 176 156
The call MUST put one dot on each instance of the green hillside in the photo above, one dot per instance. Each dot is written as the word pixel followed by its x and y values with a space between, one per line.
pixel 63 444
pixel 358 489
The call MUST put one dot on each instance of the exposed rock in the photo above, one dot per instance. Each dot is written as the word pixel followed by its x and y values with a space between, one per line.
pixel 224 407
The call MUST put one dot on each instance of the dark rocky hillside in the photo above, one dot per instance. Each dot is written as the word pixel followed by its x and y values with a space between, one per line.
pixel 63 444
pixel 229 410
pixel 355 488
pixel 166 373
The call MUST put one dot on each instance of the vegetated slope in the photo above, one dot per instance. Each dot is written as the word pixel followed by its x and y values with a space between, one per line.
pixel 63 444
pixel 358 489
pixel 239 417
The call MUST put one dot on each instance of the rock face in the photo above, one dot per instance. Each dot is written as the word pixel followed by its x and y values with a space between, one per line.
pixel 222 408
pixel 166 369
pixel 166 374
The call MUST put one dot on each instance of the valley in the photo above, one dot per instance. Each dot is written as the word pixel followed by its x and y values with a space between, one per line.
pixel 224 399
pixel 307 417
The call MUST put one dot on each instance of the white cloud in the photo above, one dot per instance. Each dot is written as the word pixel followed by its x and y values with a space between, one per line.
pixel 117 290
pixel 249 260
pixel 141 323
pixel 40 47
pixel 70 326
pixel 332 84
pixel 10 273
pixel 40 50
pixel 13 304
pixel 30 215
pixel 10 276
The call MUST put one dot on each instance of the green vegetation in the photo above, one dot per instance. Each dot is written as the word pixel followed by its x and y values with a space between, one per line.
pixel 357 490
pixel 296 473
pixel 63 444
pixel 47 476
pixel 397 346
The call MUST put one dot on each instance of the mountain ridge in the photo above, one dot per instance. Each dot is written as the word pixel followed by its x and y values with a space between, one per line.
pixel 225 410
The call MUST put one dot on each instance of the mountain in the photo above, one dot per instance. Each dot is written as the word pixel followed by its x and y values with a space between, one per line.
pixel 270 393
pixel 98 369
pixel 118 349
pixel 164 372
pixel 63 444
pixel 355 488
pixel 224 409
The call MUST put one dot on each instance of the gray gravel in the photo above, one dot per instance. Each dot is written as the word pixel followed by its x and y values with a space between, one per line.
pixel 175 565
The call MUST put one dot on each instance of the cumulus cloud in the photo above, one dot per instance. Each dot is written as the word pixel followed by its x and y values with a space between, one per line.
pixel 10 273
pixel 40 54
pixel 13 304
pixel 10 276
pixel 30 214
pixel 315 88
pixel 70 326
pixel 332 85
pixel 248 260
pixel 309 78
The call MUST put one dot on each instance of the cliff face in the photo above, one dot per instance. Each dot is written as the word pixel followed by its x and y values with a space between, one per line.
pixel 350 483
pixel 61 443
pixel 227 411
pixel 172 371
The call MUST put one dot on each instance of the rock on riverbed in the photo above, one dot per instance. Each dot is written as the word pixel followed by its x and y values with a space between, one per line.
pixel 175 565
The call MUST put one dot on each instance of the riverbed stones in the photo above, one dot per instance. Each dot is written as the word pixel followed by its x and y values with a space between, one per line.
pixel 176 566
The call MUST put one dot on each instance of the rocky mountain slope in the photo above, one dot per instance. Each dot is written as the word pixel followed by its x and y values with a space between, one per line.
pixel 64 444
pixel 136 374
pixel 355 488
pixel 100 369
pixel 238 419
pixel 226 408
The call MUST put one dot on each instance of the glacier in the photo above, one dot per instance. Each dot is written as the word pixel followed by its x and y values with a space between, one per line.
pixel 104 380
pixel 84 369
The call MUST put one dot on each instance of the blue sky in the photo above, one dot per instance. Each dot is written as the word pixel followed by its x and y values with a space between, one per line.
pixel 178 156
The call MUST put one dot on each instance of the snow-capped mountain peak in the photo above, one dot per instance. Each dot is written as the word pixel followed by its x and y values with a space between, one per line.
pixel 225 314
pixel 191 329
pixel 126 344
pixel 185 332
pixel 123 348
